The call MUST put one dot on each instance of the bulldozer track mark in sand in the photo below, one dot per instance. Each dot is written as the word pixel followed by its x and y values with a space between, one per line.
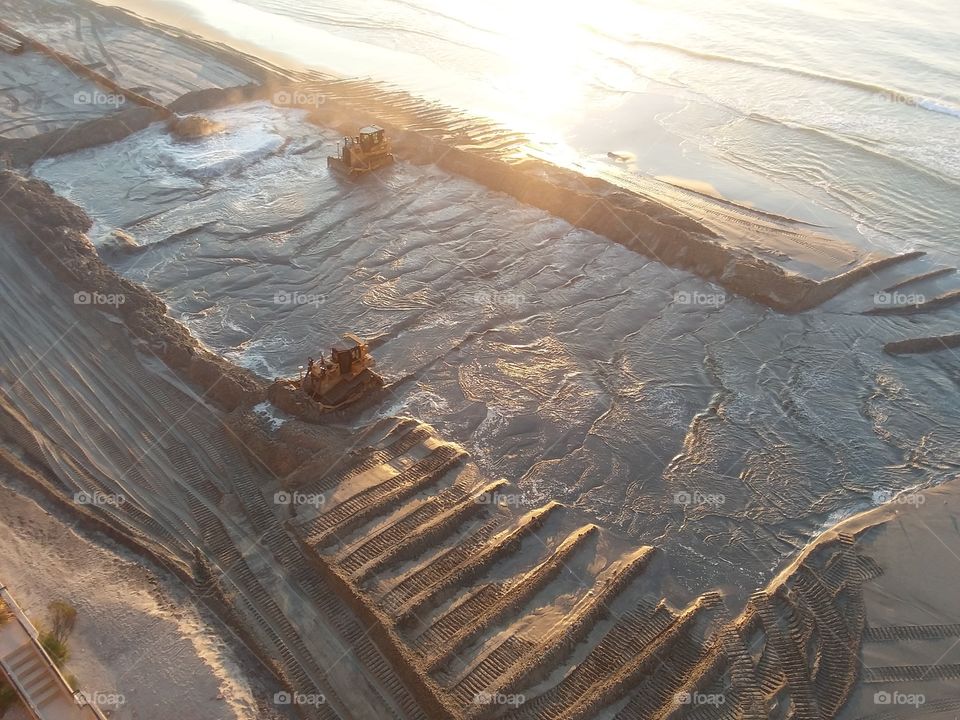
pixel 461 575
pixel 409 437
pixel 372 545
pixel 360 508
pixel 744 675
pixel 897 633
pixel 548 652
pixel 268 619
pixel 441 518
pixel 634 630
pixel 517 594
pixel 274 537
pixel 696 660
pixel 836 673
pixel 782 632
pixel 911 673
pixel 678 642
pixel 442 565
pixel 487 671
pixel 443 629
pixel 930 707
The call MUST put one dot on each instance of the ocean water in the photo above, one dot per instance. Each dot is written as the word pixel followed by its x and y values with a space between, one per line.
pixel 845 110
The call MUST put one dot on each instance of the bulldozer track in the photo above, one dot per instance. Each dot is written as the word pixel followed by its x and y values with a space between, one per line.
pixel 911 673
pixel 643 676
pixel 895 633
pixel 446 627
pixel 485 673
pixel 634 630
pixel 476 565
pixel 408 440
pixel 743 675
pixel 367 504
pixel 548 653
pixel 441 521
pixel 21 435
pixel 393 536
pixel 517 594
pixel 869 568
pixel 269 620
pixel 275 538
pixel 695 662
pixel 930 707
pixel 783 634
pixel 440 567
pixel 836 672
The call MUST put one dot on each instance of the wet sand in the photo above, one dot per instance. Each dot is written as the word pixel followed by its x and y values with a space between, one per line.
pixel 469 613
pixel 910 660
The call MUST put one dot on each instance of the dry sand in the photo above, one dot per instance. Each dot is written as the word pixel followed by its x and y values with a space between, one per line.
pixel 137 635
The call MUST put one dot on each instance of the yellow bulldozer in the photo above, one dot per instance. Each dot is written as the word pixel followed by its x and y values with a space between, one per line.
pixel 342 378
pixel 368 150
pixel 328 384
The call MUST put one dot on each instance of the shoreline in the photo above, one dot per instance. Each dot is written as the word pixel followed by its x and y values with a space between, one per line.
pixel 646 224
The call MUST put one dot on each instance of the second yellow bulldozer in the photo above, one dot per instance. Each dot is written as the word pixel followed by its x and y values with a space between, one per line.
pixel 368 150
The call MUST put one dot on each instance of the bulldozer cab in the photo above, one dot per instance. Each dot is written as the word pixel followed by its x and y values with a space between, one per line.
pixel 345 354
pixel 370 137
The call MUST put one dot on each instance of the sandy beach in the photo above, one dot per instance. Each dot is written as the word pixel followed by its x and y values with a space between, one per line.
pixel 526 520
pixel 139 639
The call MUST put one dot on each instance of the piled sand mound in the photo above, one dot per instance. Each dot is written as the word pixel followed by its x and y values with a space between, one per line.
pixel 533 616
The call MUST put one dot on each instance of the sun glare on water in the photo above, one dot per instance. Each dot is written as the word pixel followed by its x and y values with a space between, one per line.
pixel 535 66
pixel 549 59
